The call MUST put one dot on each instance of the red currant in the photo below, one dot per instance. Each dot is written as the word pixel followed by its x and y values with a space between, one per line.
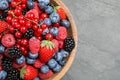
pixel 24 42
pixel 28 24
pixel 49 36
pixel 9 19
pixel 19 7
pixel 39 31
pixel 31 15
pixel 56 24
pixel 19 41
pixel 18 12
pixel 17 45
pixel 21 17
pixel 23 6
pixel 44 26
pixel 22 22
pixel 43 16
pixel 24 1
pixel 36 20
pixel 23 29
pixel 18 34
pixel 22 48
pixel 13 4
pixel 17 26
pixel 15 20
pixel 35 27
pixel 10 12
pixel 40 38
pixel 11 29
pixel 36 34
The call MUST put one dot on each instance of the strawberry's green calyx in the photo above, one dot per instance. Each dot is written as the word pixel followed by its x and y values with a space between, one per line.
pixel 48 44
pixel 22 72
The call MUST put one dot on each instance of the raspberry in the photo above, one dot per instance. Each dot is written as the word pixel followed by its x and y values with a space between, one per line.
pixel 34 45
pixel 61 44
pixel 47 75
pixel 62 33
pixel 56 44
pixel 3 26
pixel 38 64
pixel 8 40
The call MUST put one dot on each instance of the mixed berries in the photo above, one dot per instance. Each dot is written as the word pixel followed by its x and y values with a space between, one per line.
pixel 34 39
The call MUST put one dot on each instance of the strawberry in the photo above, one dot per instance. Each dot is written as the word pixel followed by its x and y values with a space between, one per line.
pixel 47 50
pixel 46 76
pixel 34 45
pixel 3 26
pixel 8 40
pixel 56 44
pixel 28 73
pixel 61 12
pixel 38 64
pixel 62 33
pixel 34 11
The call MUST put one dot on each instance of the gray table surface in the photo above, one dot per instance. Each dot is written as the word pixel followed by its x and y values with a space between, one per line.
pixel 98 56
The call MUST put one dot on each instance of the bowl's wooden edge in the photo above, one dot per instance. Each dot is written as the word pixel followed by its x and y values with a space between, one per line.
pixel 59 75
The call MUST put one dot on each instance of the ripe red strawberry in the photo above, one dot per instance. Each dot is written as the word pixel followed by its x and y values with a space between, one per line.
pixel 47 50
pixel 61 12
pixel 8 40
pixel 38 64
pixel 3 26
pixel 28 73
pixel 56 44
pixel 47 75
pixel 34 45
pixel 62 33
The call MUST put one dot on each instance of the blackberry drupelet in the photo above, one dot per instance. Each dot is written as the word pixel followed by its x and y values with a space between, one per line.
pixel 15 52
pixel 13 74
pixel 28 34
pixel 25 10
pixel 6 64
pixel 69 44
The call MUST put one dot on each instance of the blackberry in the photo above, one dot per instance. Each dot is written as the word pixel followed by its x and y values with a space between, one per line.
pixel 15 52
pixel 13 74
pixel 69 44
pixel 28 34
pixel 6 64
pixel 25 10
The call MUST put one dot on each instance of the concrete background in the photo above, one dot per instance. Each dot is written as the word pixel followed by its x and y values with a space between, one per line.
pixel 98 56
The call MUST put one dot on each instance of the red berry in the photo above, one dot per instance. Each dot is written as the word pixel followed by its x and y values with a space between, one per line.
pixel 31 15
pixel 49 36
pixel 39 31
pixel 23 6
pixel 0 36
pixel 18 26
pixel 56 24
pixel 13 4
pixel 10 12
pixel 43 16
pixel 36 20
pixel 17 45
pixel 12 29
pixel 9 19
pixel 38 64
pixel 22 49
pixel 28 24
pixel 0 68
pixel 18 34
pixel 44 26
pixel 36 34
pixel 14 24
pixel 23 29
pixel 19 41
pixel 40 38
pixel 19 7
pixel 15 20
pixel 24 42
pixel 18 12
pixel 21 17
pixel 24 1
pixel 22 22
pixel 35 27
pixel 25 52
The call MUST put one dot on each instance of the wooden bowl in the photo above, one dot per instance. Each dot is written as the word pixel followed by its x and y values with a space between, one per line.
pixel 72 31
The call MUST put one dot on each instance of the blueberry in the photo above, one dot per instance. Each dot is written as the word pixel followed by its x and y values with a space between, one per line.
pixel 44 69
pixel 62 62
pixel 54 17
pixel 45 31
pixel 3 74
pixel 64 53
pixel 52 63
pixel 44 1
pixel 42 5
pixel 65 23
pixel 2 48
pixel 49 9
pixel 37 78
pixel 54 31
pixel 30 4
pixel 47 21
pixel 33 56
pixel 30 61
pixel 3 5
pixel 58 56
pixel 20 60
pixel 57 68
